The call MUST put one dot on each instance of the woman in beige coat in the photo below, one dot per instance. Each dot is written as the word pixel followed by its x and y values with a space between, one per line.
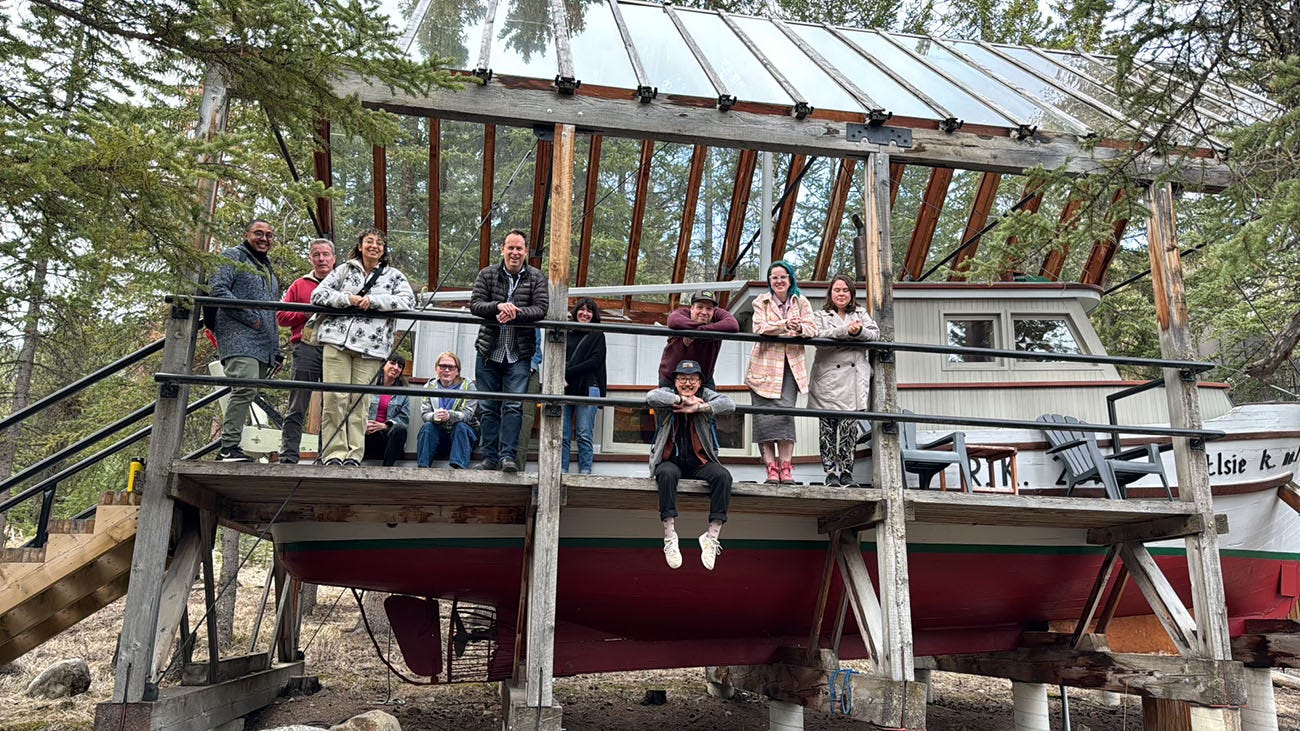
pixel 841 377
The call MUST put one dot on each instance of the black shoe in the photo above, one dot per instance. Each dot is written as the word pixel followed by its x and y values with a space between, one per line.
pixel 487 464
pixel 509 466
pixel 233 454
pixel 288 460
pixel 351 463
pixel 334 462
pixel 846 480
pixel 832 480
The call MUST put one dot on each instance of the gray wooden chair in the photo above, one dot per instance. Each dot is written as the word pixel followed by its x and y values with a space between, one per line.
pixel 926 461
pixel 1084 461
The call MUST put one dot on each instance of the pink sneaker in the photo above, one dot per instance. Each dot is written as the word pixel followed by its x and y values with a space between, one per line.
pixel 773 473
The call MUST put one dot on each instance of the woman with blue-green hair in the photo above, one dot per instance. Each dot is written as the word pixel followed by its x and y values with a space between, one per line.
pixel 777 370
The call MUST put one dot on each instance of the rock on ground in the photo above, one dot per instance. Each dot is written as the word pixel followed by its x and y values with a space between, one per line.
pixel 62 679
pixel 369 721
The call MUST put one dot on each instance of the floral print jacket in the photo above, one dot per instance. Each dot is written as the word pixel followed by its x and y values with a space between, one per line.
pixel 358 331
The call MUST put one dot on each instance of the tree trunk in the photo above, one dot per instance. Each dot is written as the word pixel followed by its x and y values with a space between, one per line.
pixel 23 375
pixel 228 580
pixel 373 602
pixel 307 600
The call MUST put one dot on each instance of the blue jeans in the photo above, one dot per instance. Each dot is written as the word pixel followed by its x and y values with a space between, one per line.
pixel 586 417
pixel 459 442
pixel 500 420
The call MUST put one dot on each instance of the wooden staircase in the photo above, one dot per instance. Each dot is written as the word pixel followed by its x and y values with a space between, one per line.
pixel 84 567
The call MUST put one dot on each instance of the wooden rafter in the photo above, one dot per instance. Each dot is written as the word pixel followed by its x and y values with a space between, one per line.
pixel 745 164
pixel 792 182
pixel 638 216
pixel 325 174
pixel 927 219
pixel 896 170
pixel 1054 261
pixel 1103 250
pixel 435 202
pixel 541 184
pixel 985 196
pixel 485 210
pixel 834 218
pixel 1033 190
pixel 693 179
pixel 589 208
pixel 379 173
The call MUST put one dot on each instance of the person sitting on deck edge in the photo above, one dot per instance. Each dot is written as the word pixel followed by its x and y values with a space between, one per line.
pixel 684 447
pixel 703 314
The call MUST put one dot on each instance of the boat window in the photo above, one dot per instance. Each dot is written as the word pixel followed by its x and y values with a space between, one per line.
pixel 637 426
pixel 971 332
pixel 1045 335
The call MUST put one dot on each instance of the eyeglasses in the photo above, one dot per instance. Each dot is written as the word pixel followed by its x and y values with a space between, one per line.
pixel 263 235
pixel 448 366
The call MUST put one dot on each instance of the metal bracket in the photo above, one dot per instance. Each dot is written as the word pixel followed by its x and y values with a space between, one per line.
pixel 544 132
pixel 1186 376
pixel 726 102
pixel 169 390
pixel 180 311
pixel 484 74
pixel 566 84
pixel 555 410
pixel 889 427
pixel 877 117
pixel 878 134
pixel 884 356
pixel 150 692
pixel 950 125
pixel 645 93
pixel 556 336
pixel 1025 131
pixel 802 110
pixel 1196 444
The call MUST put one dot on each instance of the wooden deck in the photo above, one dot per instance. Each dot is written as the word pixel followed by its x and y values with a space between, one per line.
pixel 252 495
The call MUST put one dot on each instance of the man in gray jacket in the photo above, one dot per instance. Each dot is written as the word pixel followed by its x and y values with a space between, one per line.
pixel 684 448
pixel 247 340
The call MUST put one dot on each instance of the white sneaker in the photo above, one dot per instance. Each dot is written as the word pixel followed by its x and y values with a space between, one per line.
pixel 672 554
pixel 709 550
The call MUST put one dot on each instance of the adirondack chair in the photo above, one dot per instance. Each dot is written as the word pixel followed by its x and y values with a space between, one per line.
pixel 1084 461
pixel 926 460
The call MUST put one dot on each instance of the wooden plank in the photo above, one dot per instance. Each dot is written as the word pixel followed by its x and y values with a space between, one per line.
pixel 589 208
pixel 379 177
pixel 786 216
pixel 985 196
pixel 927 219
pixel 198 708
pixel 1156 529
pixel 1034 191
pixel 1094 595
pixel 1054 262
pixel 896 171
pixel 1103 250
pixel 1112 600
pixel 1193 479
pixel 664 120
pixel 488 186
pixel 684 234
pixel 745 164
pixel 863 515
pixel 196 673
pixel 1160 594
pixel 1165 714
pixel 136 645
pixel 15 646
pixel 877 700
pixel 66 573
pixel 823 593
pixel 325 174
pixel 834 218
pixel 862 597
pixel 176 585
pixel 1263 647
pixel 1198 680
pixel 541 181
pixel 638 219
pixel 1290 494
pixel 435 203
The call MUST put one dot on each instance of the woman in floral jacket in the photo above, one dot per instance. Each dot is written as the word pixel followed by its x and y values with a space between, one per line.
pixel 777 371
pixel 356 344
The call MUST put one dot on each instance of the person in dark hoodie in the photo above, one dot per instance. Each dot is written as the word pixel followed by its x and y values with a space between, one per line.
pixel 247 340
pixel 584 375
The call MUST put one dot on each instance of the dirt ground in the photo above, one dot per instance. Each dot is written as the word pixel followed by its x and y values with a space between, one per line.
pixel 355 681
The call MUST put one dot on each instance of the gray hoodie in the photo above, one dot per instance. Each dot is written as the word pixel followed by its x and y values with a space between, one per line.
pixel 249 333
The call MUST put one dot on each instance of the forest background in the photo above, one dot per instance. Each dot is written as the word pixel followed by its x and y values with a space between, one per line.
pixel 100 169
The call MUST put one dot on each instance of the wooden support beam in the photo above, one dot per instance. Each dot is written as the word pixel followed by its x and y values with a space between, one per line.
pixel 1103 250
pixel 487 184
pixel 589 208
pixel 823 593
pixel 638 216
pixel 896 170
pixel 1290 494
pixel 140 621
pixel 863 515
pixel 862 596
pixel 1268 643
pixel 927 219
pixel 1054 262
pixel 1099 585
pixel 198 708
pixel 877 700
pixel 1204 567
pixel 1156 529
pixel 288 616
pixel 435 203
pixel 834 218
pixel 541 183
pixel 786 215
pixel 325 174
pixel 746 162
pixel 1199 680
pixel 1034 190
pixel 379 176
pixel 1160 594
pixel 196 673
pixel 985 196
pixel 694 178
pixel 207 524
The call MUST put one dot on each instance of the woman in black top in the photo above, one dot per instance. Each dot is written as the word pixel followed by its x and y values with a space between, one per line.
pixel 584 376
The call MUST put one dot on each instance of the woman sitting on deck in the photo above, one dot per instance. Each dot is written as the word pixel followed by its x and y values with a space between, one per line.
pixel 389 416
pixel 841 377
pixel 777 372
pixel 356 344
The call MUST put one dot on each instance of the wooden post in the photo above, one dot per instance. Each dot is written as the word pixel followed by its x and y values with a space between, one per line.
pixel 135 655
pixel 1208 603
pixel 546 528
pixel 887 470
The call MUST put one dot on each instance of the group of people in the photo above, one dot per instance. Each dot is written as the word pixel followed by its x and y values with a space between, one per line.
pixel 356 346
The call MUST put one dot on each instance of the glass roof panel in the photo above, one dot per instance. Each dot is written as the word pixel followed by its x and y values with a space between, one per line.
pixel 744 76
pixel 666 58
pixel 1071 79
pixel 818 89
pixel 599 56
pixel 1037 87
pixel 450 29
pixel 880 86
pixel 1025 110
pixel 522 44
pixel 958 102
